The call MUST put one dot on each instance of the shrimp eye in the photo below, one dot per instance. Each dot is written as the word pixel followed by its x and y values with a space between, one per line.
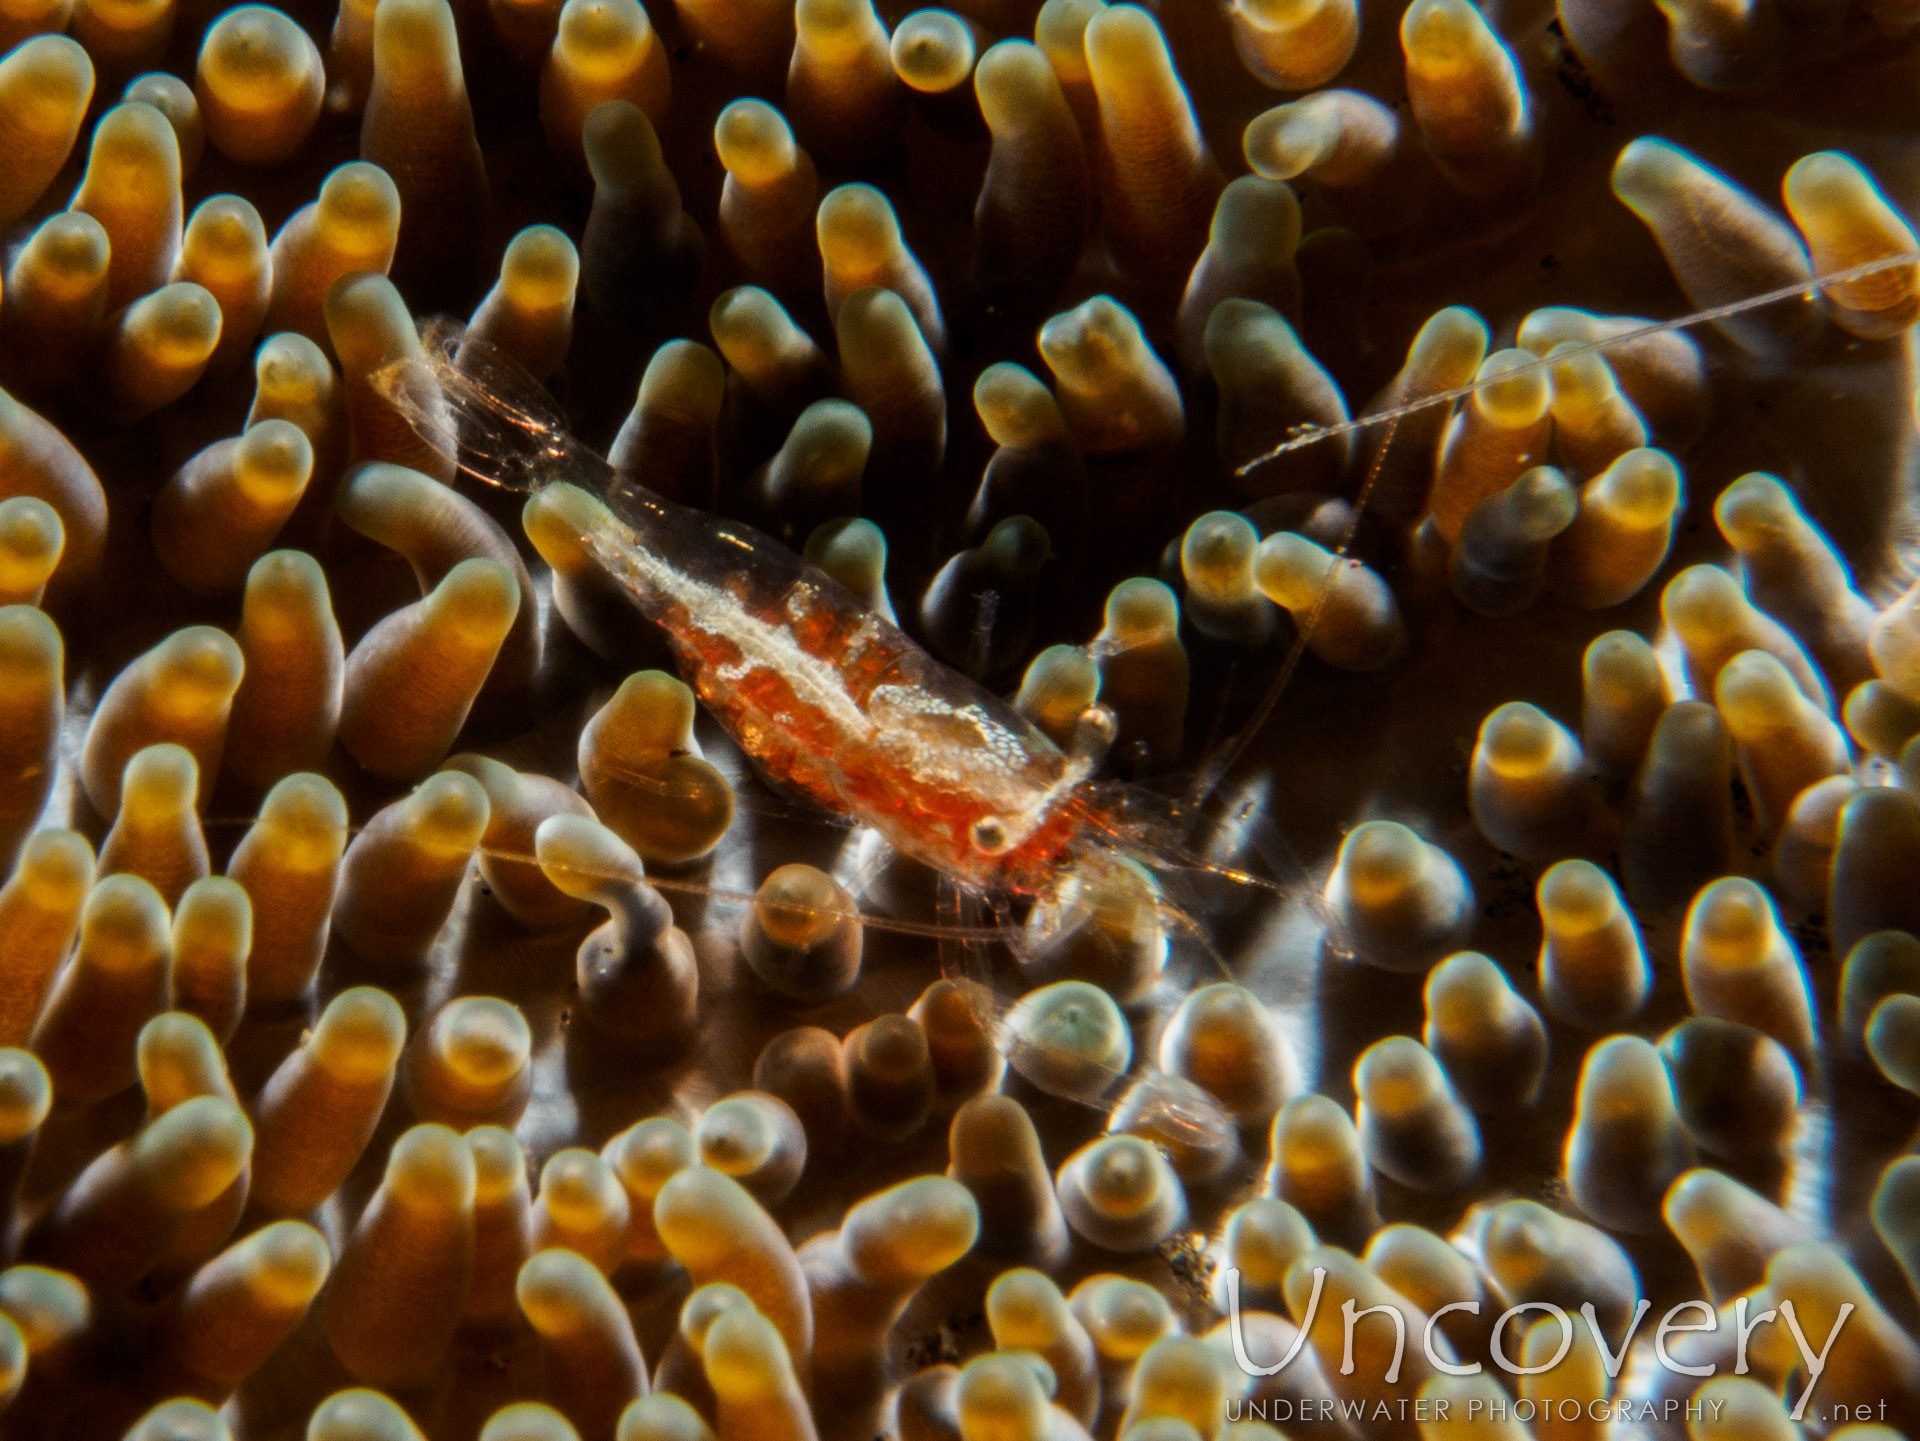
pixel 990 836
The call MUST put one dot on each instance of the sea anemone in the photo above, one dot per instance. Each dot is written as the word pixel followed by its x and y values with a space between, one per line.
pixel 1469 556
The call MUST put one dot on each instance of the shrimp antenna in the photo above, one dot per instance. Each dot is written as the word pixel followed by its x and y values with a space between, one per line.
pixel 1390 419
pixel 477 407
pixel 1306 435
pixel 1209 779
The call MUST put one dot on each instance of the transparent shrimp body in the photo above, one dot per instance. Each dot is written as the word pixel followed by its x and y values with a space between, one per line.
pixel 827 697
pixel 836 702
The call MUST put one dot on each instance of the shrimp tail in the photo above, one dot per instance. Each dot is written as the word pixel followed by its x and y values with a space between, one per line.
pixel 476 406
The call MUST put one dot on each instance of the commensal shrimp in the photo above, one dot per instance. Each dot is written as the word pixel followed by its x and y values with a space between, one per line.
pixel 825 696
pixel 832 700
